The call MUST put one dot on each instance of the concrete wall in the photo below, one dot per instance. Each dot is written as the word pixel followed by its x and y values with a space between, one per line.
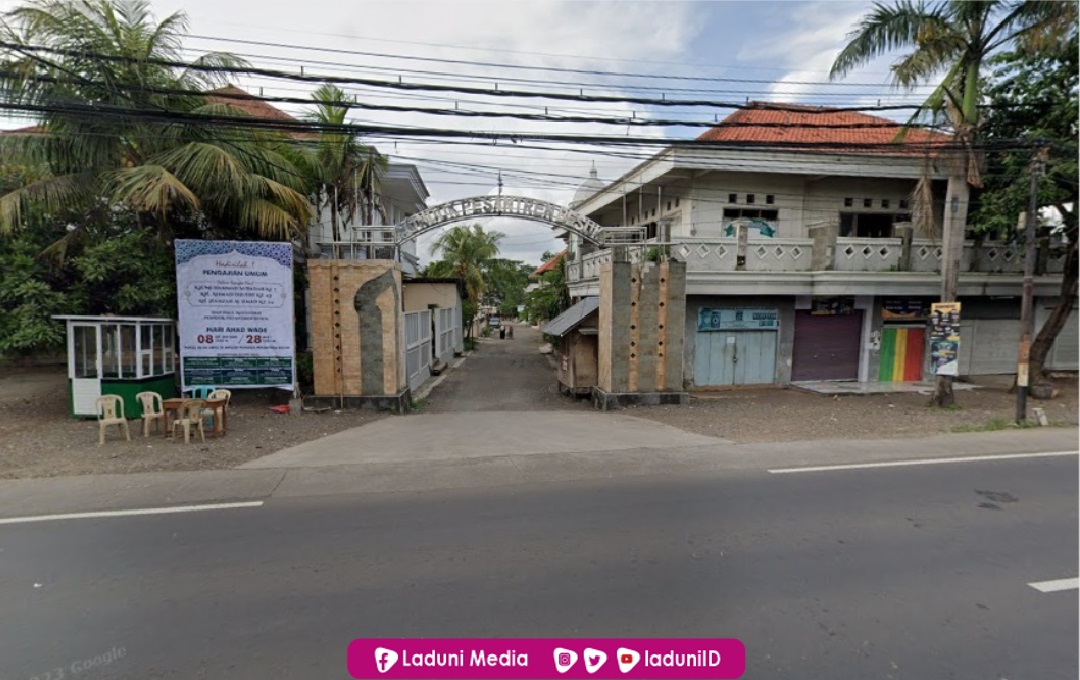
pixel 357 352
pixel 785 334
pixel 419 295
pixel 642 314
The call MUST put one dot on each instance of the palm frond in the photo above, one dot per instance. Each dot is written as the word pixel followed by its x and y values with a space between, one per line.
pixel 885 29
pixel 50 195
pixel 151 188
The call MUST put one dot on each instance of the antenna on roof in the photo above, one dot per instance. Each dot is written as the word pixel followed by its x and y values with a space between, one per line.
pixel 301 69
pixel 260 92
pixel 500 182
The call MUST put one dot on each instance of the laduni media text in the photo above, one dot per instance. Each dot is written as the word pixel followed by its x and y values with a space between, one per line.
pixel 474 658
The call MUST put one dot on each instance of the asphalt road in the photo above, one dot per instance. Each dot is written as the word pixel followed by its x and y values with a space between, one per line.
pixel 907 572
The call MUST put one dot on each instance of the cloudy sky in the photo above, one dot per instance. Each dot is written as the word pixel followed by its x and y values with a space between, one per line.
pixel 718 51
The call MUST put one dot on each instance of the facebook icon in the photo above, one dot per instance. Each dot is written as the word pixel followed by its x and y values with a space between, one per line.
pixel 385 658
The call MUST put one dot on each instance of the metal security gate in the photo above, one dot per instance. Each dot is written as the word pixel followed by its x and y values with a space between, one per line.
pixel 417 347
pixel 444 332
pixel 826 346
pixel 735 358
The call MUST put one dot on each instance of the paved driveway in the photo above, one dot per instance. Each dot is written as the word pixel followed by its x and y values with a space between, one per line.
pixel 503 375
pixel 501 402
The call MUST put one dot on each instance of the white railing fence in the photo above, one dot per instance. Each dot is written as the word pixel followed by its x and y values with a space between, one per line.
pixel 444 333
pixel 417 347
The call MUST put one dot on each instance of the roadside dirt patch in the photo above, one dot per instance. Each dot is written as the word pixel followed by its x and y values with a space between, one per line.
pixel 775 414
pixel 38 439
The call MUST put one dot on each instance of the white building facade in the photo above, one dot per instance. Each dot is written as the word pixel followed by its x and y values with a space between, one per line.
pixel 803 264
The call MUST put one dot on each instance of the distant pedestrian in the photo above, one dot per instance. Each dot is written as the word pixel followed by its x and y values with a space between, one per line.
pixel 502 332
pixel 510 331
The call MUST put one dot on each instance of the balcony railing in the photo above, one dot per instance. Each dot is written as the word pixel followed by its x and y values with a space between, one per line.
pixel 825 252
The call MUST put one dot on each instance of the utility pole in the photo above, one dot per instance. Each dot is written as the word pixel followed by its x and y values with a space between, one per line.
pixel 1027 309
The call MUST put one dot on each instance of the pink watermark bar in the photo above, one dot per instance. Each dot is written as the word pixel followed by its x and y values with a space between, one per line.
pixel 544 658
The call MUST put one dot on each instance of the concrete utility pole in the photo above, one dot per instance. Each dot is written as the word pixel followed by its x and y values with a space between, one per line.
pixel 1027 309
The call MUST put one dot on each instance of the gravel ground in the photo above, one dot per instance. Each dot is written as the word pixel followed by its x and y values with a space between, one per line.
pixel 37 439
pixel 773 414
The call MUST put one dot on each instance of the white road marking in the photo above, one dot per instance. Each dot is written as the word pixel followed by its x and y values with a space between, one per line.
pixel 924 461
pixel 129 513
pixel 1054 586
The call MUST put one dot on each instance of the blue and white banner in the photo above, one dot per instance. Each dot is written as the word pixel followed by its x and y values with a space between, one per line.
pixel 235 303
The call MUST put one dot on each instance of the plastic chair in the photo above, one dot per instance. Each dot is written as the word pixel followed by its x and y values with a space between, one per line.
pixel 152 411
pixel 190 415
pixel 201 392
pixel 110 410
pixel 211 413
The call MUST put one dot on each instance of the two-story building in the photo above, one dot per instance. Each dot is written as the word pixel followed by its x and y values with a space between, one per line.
pixel 802 261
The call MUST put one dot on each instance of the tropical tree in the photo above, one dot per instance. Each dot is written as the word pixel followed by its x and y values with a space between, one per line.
pixel 552 297
pixel 1034 97
pixel 465 253
pixel 347 175
pixel 948 43
pixel 109 133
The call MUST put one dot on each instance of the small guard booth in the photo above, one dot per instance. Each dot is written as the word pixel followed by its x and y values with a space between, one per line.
pixel 121 355
pixel 576 345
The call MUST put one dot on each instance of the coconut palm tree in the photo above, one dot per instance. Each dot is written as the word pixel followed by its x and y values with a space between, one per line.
pixel 948 42
pixel 347 175
pixel 94 91
pixel 465 253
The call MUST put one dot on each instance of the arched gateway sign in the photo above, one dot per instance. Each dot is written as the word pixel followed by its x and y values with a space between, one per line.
pixel 500 206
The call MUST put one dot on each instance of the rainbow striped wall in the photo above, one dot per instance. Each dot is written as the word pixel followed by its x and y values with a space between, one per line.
pixel 901 354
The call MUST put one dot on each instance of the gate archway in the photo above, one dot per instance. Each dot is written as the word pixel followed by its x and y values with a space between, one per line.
pixel 532 209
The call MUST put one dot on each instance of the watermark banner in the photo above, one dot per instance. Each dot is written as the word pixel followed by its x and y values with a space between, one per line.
pixel 541 658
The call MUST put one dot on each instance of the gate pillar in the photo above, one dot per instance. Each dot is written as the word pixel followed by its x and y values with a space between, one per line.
pixel 642 328
pixel 357 334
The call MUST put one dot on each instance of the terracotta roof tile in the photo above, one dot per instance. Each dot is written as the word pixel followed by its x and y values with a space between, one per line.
pixel 254 107
pixel 550 264
pixel 796 124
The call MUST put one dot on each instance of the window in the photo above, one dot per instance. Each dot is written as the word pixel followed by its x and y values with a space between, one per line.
pixel 884 203
pixel 751 213
pixel 676 203
pixel 85 352
pixel 146 345
pixel 903 204
pixel 654 212
pixel 848 202
pixel 669 205
pixel 869 225
pixel 868 203
pixel 128 358
pixel 770 199
pixel 732 198
pixel 749 198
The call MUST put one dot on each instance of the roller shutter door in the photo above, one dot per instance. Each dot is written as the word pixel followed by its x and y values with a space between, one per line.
pixel 826 346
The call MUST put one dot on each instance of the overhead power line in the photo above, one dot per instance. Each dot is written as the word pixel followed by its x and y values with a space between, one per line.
pixel 631 121
pixel 434 87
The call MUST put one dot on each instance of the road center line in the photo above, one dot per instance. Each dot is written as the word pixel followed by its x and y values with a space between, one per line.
pixel 128 513
pixel 1054 586
pixel 924 461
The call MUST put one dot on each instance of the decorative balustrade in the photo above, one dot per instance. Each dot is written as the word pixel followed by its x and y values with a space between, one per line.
pixel 779 255
pixel 797 255
pixel 707 255
pixel 867 254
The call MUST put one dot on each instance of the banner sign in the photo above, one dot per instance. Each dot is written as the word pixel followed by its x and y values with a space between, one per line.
pixel 904 309
pixel 945 338
pixel 733 319
pixel 832 306
pixel 235 303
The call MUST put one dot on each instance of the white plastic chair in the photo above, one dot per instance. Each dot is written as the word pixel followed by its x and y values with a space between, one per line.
pixel 110 410
pixel 189 416
pixel 153 410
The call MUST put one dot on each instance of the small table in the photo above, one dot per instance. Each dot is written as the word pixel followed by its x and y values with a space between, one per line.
pixel 172 408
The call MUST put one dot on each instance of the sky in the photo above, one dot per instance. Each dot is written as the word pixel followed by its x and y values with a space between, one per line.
pixel 719 51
